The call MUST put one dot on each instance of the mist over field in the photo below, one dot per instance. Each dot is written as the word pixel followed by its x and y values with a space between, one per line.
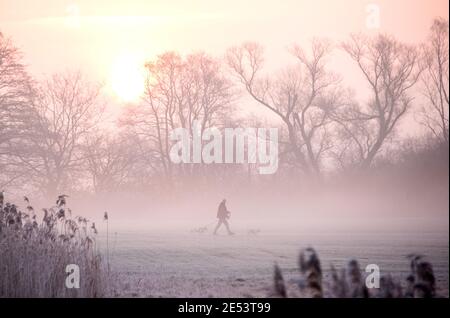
pixel 114 154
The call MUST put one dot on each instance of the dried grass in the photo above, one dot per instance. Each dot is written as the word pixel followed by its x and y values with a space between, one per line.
pixel 350 282
pixel 34 253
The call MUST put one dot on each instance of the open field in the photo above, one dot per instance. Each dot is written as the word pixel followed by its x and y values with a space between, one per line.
pixel 157 264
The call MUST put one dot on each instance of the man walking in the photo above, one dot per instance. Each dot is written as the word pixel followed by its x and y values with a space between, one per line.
pixel 223 214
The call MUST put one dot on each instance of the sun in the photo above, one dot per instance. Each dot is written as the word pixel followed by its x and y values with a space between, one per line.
pixel 127 77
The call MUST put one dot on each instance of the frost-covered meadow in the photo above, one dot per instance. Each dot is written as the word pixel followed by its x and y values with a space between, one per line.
pixel 174 264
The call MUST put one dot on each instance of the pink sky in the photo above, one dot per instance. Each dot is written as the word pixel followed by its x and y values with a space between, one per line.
pixel 44 32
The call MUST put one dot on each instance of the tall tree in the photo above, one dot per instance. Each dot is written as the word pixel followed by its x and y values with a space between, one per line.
pixel 179 91
pixel 435 80
pixel 110 160
pixel 68 108
pixel 303 97
pixel 390 69
pixel 16 94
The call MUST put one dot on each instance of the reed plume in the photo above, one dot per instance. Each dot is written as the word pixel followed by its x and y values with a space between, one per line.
pixel 311 271
pixel 421 281
pixel 279 289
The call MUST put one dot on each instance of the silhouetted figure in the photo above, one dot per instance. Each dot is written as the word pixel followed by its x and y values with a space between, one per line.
pixel 223 214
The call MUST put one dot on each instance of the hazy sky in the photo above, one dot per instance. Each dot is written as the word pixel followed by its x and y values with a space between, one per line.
pixel 101 36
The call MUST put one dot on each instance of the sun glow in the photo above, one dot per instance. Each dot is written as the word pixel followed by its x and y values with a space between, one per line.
pixel 127 77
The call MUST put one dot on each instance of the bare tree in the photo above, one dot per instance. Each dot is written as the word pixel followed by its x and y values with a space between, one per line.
pixel 435 80
pixel 390 68
pixel 68 109
pixel 303 97
pixel 110 160
pixel 16 94
pixel 179 91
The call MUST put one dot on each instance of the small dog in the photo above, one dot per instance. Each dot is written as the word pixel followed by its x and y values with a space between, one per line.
pixel 200 230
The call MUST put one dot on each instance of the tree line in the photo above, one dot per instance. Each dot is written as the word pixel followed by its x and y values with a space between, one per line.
pixel 53 136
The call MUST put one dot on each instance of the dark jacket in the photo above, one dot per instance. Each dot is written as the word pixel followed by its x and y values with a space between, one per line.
pixel 222 212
